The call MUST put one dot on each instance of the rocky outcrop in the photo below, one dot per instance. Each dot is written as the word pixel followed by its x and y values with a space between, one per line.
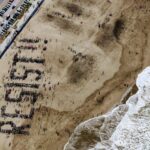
pixel 125 127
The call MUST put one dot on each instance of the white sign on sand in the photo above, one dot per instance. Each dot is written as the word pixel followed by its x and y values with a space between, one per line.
pixel 14 20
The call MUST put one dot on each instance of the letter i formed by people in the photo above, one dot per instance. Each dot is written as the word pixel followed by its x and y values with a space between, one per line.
pixel 10 127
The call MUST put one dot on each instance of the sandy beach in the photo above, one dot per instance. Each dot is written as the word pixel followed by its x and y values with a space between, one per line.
pixel 71 63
